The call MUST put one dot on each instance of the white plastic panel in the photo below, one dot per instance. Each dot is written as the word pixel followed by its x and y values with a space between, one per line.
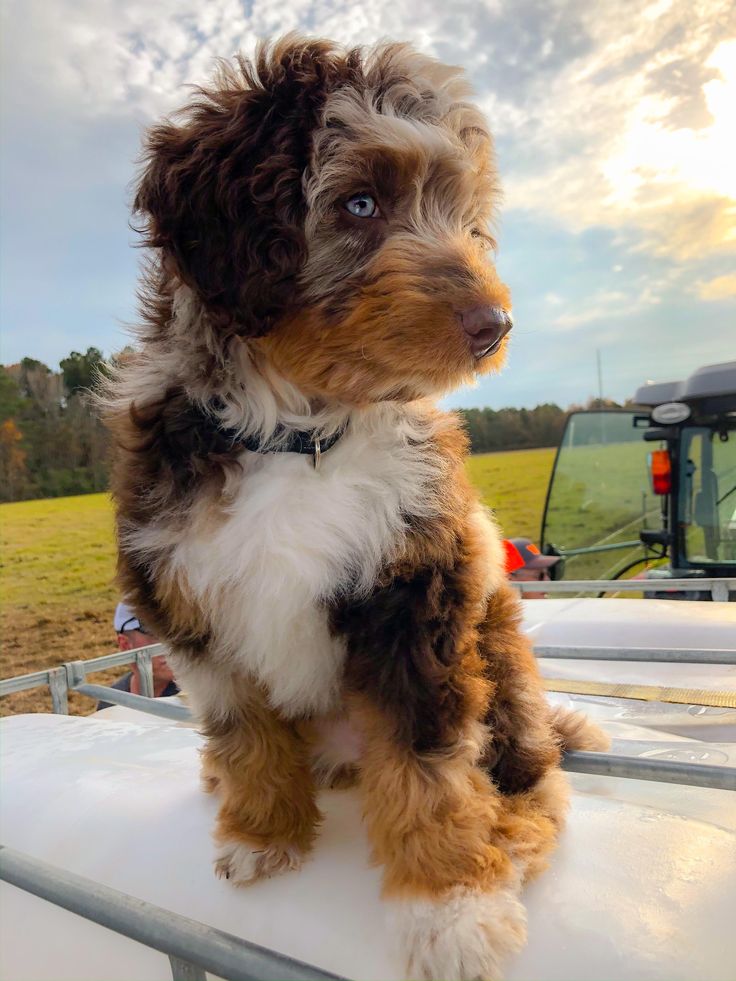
pixel 634 623
pixel 637 890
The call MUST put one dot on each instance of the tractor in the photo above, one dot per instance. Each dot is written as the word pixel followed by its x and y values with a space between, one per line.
pixel 651 485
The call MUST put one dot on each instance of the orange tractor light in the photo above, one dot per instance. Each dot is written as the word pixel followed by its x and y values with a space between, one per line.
pixel 660 471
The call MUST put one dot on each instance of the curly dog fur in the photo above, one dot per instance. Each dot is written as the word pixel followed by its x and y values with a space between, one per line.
pixel 319 221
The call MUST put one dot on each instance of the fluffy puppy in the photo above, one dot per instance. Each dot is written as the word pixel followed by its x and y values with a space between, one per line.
pixel 293 513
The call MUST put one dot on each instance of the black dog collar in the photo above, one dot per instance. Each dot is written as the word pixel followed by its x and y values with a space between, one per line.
pixel 285 440
pixel 295 441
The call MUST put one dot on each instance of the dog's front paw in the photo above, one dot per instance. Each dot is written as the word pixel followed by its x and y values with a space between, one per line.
pixel 465 936
pixel 243 864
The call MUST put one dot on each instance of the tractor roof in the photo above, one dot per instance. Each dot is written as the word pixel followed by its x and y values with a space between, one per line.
pixel 712 382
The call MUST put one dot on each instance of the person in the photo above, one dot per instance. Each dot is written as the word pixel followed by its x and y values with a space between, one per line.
pixel 525 563
pixel 132 634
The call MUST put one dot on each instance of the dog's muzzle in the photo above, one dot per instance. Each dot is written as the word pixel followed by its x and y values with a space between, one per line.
pixel 485 328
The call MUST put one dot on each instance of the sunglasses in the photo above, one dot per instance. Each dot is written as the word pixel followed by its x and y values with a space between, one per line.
pixel 133 623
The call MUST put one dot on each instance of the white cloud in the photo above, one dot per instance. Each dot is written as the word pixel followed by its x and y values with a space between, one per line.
pixel 718 288
pixel 616 114
pixel 607 114
pixel 647 122
pixel 111 56
pixel 603 305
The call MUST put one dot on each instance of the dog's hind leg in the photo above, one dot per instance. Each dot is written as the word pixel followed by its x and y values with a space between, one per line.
pixel 527 736
pixel 259 766
pixel 418 692
pixel 523 742
pixel 439 828
pixel 454 841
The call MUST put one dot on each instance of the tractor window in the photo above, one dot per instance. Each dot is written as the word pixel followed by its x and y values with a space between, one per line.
pixel 599 496
pixel 708 496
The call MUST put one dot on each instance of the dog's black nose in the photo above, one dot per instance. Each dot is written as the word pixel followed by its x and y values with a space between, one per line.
pixel 485 328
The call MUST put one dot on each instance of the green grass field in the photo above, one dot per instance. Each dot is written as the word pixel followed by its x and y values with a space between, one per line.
pixel 514 485
pixel 57 562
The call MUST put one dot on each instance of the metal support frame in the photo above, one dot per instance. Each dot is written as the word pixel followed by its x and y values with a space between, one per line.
pixel 719 593
pixel 73 673
pixel 59 690
pixel 645 768
pixel 152 706
pixel 610 547
pixel 659 655
pixel 185 970
pixel 718 588
pixel 192 947
pixel 143 660
pixel 73 676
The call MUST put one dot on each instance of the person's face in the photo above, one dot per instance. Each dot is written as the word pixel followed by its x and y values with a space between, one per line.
pixel 131 640
pixel 525 574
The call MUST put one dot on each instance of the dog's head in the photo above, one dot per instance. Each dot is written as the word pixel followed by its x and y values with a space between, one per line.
pixel 334 206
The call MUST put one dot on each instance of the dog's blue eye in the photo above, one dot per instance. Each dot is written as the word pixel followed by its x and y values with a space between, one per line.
pixel 481 238
pixel 363 206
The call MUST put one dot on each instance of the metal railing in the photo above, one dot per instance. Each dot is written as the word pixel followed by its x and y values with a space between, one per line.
pixel 644 768
pixel 71 676
pixel 719 589
pixel 73 673
pixel 657 655
pixel 192 947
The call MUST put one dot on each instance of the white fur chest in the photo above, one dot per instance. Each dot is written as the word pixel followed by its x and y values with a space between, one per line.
pixel 293 538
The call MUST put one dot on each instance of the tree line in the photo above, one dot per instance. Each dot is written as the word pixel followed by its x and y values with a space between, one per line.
pixel 514 429
pixel 52 442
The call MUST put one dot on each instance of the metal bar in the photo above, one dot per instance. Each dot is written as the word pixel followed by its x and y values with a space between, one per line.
pixel 627 585
pixel 119 658
pixel 22 682
pixel 145 671
pixel 75 673
pixel 153 706
pixel 611 547
pixel 663 771
pixel 185 970
pixel 188 940
pixel 719 592
pixel 662 655
pixel 59 689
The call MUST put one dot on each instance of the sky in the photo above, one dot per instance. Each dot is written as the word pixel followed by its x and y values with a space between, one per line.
pixel 615 129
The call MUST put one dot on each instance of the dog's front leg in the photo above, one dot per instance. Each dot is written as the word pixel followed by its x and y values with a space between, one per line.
pixel 259 766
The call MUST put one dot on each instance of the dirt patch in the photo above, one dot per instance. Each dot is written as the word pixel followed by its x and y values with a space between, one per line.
pixel 33 642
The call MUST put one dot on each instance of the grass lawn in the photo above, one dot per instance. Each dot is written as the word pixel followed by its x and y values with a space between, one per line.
pixel 514 484
pixel 57 562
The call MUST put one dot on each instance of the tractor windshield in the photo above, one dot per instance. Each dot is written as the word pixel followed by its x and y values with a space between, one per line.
pixel 600 496
pixel 708 499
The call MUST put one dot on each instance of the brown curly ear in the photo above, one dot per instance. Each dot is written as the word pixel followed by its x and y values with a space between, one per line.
pixel 221 193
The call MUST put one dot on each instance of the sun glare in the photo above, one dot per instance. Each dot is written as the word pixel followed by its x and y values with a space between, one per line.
pixel 655 162
pixel 720 95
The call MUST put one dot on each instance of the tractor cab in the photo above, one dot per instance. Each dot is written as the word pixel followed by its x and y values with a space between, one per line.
pixel 651 486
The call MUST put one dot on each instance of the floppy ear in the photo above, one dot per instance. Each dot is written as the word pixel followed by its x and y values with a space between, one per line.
pixel 221 193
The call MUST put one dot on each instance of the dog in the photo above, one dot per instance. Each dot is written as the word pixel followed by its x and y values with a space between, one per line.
pixel 293 513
